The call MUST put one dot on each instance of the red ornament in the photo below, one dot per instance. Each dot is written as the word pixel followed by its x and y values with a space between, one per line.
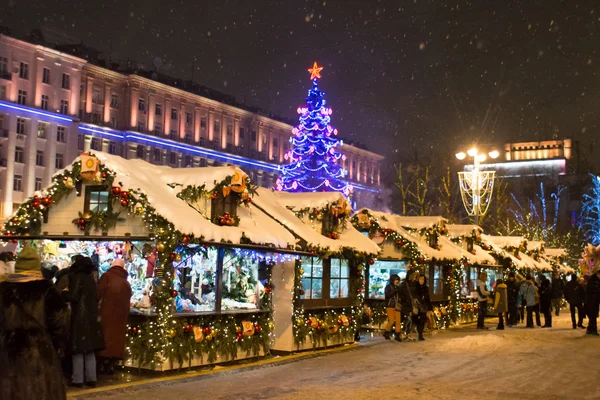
pixel 248 200
pixel 350 319
pixel 124 202
pixel 257 329
pixel 371 261
pixel 185 239
pixel 124 194
pixel 35 204
pixel 172 256
pixel 82 227
pixel 47 201
pixel 301 292
pixel 115 190
pixel 103 175
pixel 174 293
pixel 206 330
pixel 215 195
pixel 187 329
pixel 421 259
pixel 36 198
pixel 134 330
pixel 239 336
pixel 340 323
pixel 81 221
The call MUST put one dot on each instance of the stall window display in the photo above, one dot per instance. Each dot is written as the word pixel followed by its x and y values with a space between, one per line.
pixel 379 276
pixel 196 278
pixel 338 284
pixel 138 257
pixel 240 282
pixel 438 279
pixel 312 279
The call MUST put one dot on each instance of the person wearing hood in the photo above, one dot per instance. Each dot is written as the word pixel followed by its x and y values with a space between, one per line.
pixel 407 293
pixel 86 331
pixel 114 295
pixel 575 296
pixel 393 307
pixel 501 303
pixel 512 292
pixel 546 302
pixel 592 300
pixel 424 305
pixel 558 289
pixel 482 297
pixel 33 324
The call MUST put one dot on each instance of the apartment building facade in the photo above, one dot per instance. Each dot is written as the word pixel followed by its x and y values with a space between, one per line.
pixel 53 106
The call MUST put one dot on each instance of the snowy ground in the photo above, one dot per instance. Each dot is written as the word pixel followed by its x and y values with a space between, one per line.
pixel 464 363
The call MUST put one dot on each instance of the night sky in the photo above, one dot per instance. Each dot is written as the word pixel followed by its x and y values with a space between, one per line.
pixel 405 78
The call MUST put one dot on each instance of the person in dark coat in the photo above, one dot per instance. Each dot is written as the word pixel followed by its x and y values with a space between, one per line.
pixel 592 300
pixel 546 302
pixel 392 307
pixel 114 294
pixel 558 288
pixel 575 296
pixel 422 296
pixel 33 322
pixel 512 292
pixel 86 331
pixel 407 292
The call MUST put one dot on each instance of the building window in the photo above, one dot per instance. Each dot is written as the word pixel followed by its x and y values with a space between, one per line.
pixel 22 98
pixel 217 127
pixel 275 143
pixel 114 122
pixel 112 147
pixel 187 161
pixel 203 123
pixel 141 127
pixel 60 134
pixel 21 126
pixel 2 92
pixel 142 105
pixel 96 199
pixel 81 89
pixel 312 280
pixel 96 96
pixel 264 139
pixel 229 131
pixel 157 155
pixel 340 275
pixel 42 130
pixel 114 101
pixel 45 102
pixel 96 144
pixel 173 158
pixel 158 110
pixel 188 118
pixel 38 184
pixel 19 155
pixel 18 183
pixel 158 128
pixel 173 113
pixel 59 163
pixel 39 158
pixel 172 132
pixel 253 136
pixel 66 81
pixel 139 153
pixel 96 118
pixel 64 106
pixel 46 76
pixel 241 133
pixel 4 68
pixel 24 71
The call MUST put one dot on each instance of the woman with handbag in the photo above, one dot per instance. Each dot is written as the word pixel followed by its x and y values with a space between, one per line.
pixel 422 304
pixel 392 308
pixel 407 294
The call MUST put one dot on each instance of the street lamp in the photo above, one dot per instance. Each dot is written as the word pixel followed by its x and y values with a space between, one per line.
pixel 476 186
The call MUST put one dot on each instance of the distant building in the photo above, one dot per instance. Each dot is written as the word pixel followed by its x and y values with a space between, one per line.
pixel 54 105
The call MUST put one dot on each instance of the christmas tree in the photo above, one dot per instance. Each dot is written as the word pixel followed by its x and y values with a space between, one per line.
pixel 313 160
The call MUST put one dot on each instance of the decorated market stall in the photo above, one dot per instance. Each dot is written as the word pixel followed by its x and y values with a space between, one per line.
pixel 327 286
pixel 200 256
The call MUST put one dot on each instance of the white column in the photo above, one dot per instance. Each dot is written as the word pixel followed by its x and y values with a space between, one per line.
pixel 89 90
pixel 196 124
pixel 151 112
pixel 135 96
pixel 223 131
pixel 107 98
pixel 182 118
pixel 236 131
pixel 167 114
pixel 211 124
pixel 74 98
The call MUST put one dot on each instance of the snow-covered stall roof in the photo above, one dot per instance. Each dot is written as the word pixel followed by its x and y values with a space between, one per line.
pixel 491 242
pixel 555 252
pixel 155 182
pixel 457 230
pixel 535 245
pixel 507 241
pixel 276 205
pixel 419 222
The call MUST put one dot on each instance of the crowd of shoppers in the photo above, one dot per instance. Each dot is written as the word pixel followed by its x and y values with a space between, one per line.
pixel 53 323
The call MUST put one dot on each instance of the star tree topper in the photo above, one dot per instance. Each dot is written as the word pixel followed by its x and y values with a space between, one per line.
pixel 315 71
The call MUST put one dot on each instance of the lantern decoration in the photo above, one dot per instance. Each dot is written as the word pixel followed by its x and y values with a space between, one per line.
pixel 238 181
pixel 89 166
pixel 314 322
pixel 198 334
pixel 248 328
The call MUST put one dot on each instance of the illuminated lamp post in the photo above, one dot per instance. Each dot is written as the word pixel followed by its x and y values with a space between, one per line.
pixel 476 186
